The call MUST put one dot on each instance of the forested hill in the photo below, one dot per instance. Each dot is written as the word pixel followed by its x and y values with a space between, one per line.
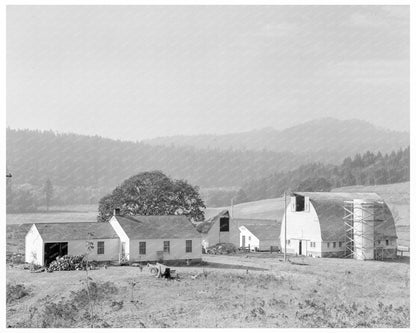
pixel 362 169
pixel 329 139
pixel 91 161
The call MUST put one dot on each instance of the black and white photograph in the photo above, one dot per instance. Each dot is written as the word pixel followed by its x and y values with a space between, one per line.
pixel 207 166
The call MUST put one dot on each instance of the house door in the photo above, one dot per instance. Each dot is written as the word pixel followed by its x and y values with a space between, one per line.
pixel 243 241
pixel 300 247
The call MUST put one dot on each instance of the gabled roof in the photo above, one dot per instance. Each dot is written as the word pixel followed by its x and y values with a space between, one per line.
pixel 206 226
pixel 156 227
pixel 265 231
pixel 329 207
pixel 61 232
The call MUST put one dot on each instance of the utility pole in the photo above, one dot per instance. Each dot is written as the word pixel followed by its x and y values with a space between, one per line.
pixel 284 257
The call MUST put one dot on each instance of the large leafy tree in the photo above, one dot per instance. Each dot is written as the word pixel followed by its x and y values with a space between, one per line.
pixel 153 193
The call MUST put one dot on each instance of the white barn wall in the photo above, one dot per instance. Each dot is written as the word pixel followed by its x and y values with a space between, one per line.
pixel 301 225
pixel 34 246
pixel 177 249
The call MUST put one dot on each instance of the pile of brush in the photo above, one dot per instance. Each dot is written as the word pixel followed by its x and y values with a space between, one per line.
pixel 68 263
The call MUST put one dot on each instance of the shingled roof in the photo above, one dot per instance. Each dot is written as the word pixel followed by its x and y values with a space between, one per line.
pixel 265 231
pixel 155 227
pixel 67 231
pixel 329 207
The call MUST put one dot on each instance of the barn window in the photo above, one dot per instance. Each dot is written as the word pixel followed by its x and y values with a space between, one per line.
pixel 313 244
pixel 100 247
pixel 334 245
pixel 188 247
pixel 142 247
pixel 249 237
pixel 166 246
pixel 387 242
pixel 224 224
pixel 300 204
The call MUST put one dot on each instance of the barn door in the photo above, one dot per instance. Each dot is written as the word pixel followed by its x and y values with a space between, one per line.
pixel 53 250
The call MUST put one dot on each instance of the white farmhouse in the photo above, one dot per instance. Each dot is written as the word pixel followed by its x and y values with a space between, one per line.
pixel 327 224
pixel 157 238
pixel 45 241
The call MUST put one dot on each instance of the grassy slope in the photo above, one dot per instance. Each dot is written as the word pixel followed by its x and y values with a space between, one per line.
pixel 324 292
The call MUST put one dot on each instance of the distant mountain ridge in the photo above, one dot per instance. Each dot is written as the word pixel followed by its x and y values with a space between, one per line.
pixel 332 138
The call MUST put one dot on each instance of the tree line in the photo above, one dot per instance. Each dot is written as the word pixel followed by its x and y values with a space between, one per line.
pixel 362 169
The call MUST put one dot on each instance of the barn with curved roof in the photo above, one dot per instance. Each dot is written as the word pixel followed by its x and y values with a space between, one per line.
pixel 316 225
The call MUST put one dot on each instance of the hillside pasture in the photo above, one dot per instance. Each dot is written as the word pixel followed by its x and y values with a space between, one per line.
pixel 228 291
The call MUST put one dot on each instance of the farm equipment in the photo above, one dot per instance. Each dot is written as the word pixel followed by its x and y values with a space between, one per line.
pixel 162 271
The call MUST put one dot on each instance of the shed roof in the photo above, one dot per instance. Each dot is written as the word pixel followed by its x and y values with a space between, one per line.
pixel 329 207
pixel 156 227
pixel 57 232
pixel 265 231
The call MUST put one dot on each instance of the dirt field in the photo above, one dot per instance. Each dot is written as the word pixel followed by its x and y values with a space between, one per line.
pixel 255 290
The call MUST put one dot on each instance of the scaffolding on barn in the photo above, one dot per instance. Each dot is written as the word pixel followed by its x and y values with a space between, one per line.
pixel 357 242
pixel 349 228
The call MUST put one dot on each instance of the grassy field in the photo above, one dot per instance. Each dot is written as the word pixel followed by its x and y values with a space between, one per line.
pixel 255 290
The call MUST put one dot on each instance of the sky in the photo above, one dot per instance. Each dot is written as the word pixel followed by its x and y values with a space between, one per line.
pixel 138 72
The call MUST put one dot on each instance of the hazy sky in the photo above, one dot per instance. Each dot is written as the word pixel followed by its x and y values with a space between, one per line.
pixel 135 72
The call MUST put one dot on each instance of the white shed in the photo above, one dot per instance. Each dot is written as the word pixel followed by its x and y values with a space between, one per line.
pixel 260 237
pixel 157 238
pixel 45 241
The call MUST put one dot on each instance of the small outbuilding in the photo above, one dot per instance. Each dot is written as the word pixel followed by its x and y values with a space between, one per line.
pixel 218 229
pixel 46 241
pixel 329 224
pixel 261 236
pixel 156 238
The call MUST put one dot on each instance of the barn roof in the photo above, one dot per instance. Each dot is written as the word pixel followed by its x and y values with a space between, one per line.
pixel 265 231
pixel 155 227
pixel 66 231
pixel 329 207
pixel 206 226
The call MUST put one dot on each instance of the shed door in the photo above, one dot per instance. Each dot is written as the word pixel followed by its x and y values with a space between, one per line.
pixel 243 241
pixel 53 250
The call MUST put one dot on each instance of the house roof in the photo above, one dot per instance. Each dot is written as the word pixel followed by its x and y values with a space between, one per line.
pixel 329 207
pixel 265 231
pixel 206 226
pixel 66 231
pixel 156 227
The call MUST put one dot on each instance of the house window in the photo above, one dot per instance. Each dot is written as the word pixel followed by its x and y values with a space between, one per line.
pixel 142 247
pixel 387 242
pixel 334 245
pixel 100 247
pixel 313 244
pixel 225 224
pixel 166 246
pixel 188 247
pixel 249 237
pixel 379 242
pixel 340 244
pixel 327 245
